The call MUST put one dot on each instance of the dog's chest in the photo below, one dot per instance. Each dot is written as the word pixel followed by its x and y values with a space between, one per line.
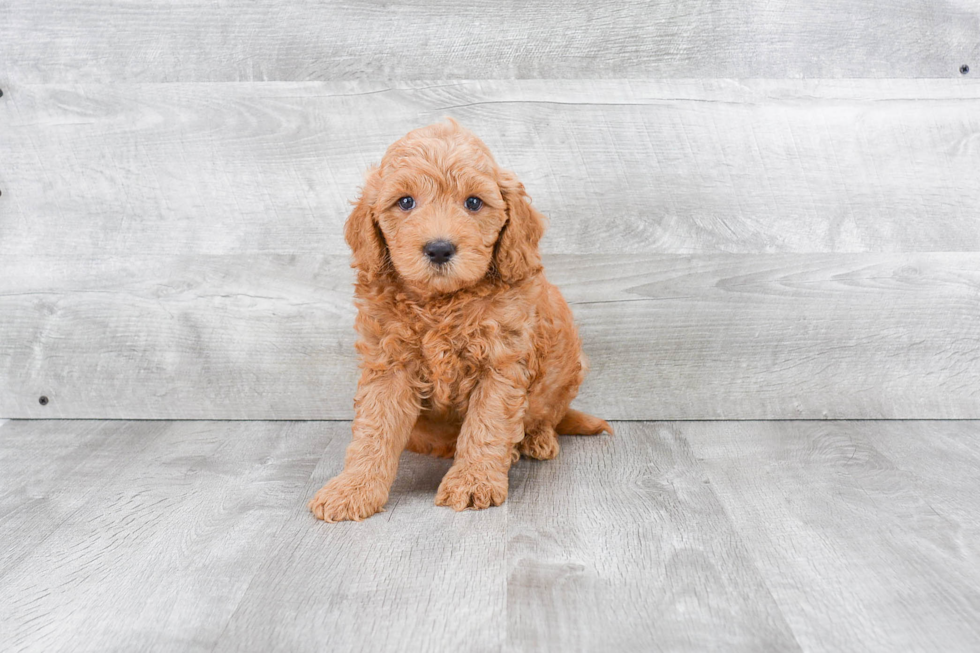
pixel 451 357
pixel 456 342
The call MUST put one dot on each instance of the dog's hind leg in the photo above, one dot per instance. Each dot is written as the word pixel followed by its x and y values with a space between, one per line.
pixel 434 438
pixel 540 442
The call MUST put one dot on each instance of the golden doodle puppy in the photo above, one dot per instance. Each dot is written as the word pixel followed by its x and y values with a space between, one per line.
pixel 466 350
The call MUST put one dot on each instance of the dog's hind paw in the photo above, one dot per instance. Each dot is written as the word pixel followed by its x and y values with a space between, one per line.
pixel 540 445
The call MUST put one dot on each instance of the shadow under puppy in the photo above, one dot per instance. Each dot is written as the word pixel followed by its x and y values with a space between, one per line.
pixel 466 350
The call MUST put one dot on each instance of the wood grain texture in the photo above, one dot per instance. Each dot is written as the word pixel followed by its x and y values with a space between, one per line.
pixel 859 553
pixel 51 470
pixel 416 577
pixel 669 336
pixel 824 336
pixel 945 462
pixel 772 536
pixel 619 166
pixel 620 545
pixel 221 337
pixel 195 41
pixel 155 552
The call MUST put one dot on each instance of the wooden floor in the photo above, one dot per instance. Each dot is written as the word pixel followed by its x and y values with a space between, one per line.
pixel 778 535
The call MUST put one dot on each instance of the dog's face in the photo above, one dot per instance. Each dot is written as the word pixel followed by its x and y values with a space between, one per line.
pixel 441 212
pixel 439 207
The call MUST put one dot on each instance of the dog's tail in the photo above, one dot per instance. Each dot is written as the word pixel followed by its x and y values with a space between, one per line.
pixel 578 423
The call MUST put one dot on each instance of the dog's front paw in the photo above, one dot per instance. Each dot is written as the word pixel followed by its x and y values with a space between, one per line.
pixel 347 499
pixel 466 486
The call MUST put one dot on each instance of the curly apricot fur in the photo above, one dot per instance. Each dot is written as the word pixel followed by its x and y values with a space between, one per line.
pixel 477 359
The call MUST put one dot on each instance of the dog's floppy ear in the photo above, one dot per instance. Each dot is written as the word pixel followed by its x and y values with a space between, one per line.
pixel 362 232
pixel 516 256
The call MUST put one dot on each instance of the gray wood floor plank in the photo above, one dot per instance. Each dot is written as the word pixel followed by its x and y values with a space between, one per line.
pixel 51 470
pixel 620 545
pixel 681 337
pixel 944 460
pixel 414 578
pixel 824 536
pixel 619 166
pixel 164 546
pixel 857 552
pixel 201 41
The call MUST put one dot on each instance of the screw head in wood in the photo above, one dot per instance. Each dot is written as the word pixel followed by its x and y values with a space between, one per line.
pixel 43 400
pixel 964 69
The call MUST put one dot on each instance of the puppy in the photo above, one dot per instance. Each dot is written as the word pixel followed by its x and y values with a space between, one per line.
pixel 466 350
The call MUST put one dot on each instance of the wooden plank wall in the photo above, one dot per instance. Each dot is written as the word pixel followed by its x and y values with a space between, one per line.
pixel 758 211
pixel 269 40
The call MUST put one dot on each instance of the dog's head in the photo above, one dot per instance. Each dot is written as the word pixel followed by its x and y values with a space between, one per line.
pixel 441 215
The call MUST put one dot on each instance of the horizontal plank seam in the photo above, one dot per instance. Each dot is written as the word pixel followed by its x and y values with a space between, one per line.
pixel 612 421
pixel 755 94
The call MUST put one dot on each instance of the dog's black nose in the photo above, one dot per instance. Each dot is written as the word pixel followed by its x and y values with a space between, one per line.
pixel 439 251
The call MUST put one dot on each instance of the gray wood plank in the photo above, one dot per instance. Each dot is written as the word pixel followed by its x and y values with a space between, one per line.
pixel 857 552
pixel 162 547
pixel 820 536
pixel 36 458
pixel 92 171
pixel 198 41
pixel 682 337
pixel 414 578
pixel 862 336
pixel 944 460
pixel 620 545
pixel 209 337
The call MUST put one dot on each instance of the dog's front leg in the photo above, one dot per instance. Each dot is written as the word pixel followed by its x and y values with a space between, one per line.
pixel 494 422
pixel 385 409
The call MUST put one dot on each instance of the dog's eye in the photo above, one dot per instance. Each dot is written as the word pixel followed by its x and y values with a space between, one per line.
pixel 473 203
pixel 407 203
